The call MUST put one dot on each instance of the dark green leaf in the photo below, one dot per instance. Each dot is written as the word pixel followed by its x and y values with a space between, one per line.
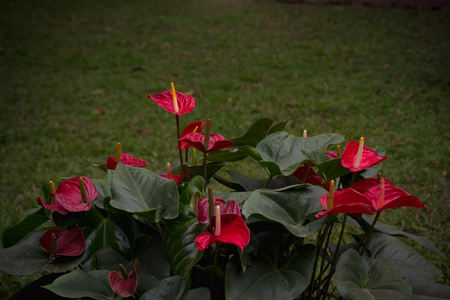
pixel 27 258
pixel 229 154
pixel 79 284
pixel 178 243
pixel 14 234
pixel 265 279
pixel 257 131
pixel 290 208
pixel 104 191
pixel 171 288
pixel 140 190
pixel 332 169
pixel 201 293
pixel 359 278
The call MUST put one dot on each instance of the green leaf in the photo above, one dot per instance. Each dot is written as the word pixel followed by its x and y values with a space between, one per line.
pixel 14 234
pixel 140 190
pixel 104 191
pixel 399 233
pixel 178 243
pixel 212 168
pixel 288 151
pixel 114 230
pixel 201 293
pixel 406 261
pixel 229 154
pixel 195 185
pixel 79 284
pixel 171 288
pixel 27 258
pixel 267 278
pixel 290 208
pixel 364 278
pixel 332 169
pixel 257 131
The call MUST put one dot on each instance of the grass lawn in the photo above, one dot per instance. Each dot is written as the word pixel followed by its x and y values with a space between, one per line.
pixel 74 80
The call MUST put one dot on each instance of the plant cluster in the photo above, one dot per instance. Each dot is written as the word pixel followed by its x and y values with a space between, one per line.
pixel 166 234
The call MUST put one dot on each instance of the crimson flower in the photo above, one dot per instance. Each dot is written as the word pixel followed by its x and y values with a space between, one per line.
pixel 216 141
pixel 164 99
pixel 332 154
pixel 191 128
pixel 124 284
pixel 366 159
pixel 233 229
pixel 308 175
pixel 69 197
pixel 126 159
pixel 65 242
pixel 388 196
pixel 346 201
pixel 364 185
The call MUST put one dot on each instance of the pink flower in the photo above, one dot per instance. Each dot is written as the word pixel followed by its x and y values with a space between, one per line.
pixel 67 242
pixel 124 285
pixel 388 196
pixel 367 158
pixel 191 128
pixel 216 141
pixel 126 159
pixel 233 229
pixel 346 201
pixel 69 196
pixel 364 185
pixel 164 99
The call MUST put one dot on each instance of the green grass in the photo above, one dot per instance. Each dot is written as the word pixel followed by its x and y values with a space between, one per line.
pixel 74 78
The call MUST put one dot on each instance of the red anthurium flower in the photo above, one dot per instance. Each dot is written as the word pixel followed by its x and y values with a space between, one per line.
pixel 124 284
pixel 229 228
pixel 367 158
pixel 346 201
pixel 389 196
pixel 191 128
pixel 332 154
pixel 228 209
pixel 164 99
pixel 364 185
pixel 216 141
pixel 66 242
pixel 126 159
pixel 69 196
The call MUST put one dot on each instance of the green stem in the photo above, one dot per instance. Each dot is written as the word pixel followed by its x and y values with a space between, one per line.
pixel 353 178
pixel 334 261
pixel 205 168
pixel 330 230
pixel 180 152
pixel 159 229
pixel 214 265
pixel 368 233
pixel 267 181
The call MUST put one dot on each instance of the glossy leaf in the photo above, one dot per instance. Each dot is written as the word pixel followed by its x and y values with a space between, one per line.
pixel 288 151
pixel 178 243
pixel 140 190
pixel 27 258
pixel 291 208
pixel 201 293
pixel 14 234
pixel 79 284
pixel 257 131
pixel 267 279
pixel 364 278
pixel 170 288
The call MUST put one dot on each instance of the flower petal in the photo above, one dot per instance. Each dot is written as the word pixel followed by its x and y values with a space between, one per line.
pixel 227 209
pixel 369 157
pixel 68 194
pixel 126 159
pixel 364 185
pixel 54 207
pixel 125 287
pixel 190 129
pixel 346 201
pixel 216 141
pixel 393 197
pixel 164 99
pixel 69 242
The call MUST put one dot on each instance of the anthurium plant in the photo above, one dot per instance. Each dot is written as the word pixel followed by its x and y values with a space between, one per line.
pixel 305 228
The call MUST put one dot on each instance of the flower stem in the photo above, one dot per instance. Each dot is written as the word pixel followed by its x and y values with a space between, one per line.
pixel 335 256
pixel 368 233
pixel 180 152
pixel 214 265
pixel 328 235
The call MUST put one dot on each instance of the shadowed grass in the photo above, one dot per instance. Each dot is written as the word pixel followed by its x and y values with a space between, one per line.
pixel 74 78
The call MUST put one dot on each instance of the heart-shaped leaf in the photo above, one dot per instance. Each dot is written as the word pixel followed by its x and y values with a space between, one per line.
pixel 14 234
pixel 267 279
pixel 289 208
pixel 78 283
pixel 27 258
pixel 364 278
pixel 288 151
pixel 170 288
pixel 140 190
